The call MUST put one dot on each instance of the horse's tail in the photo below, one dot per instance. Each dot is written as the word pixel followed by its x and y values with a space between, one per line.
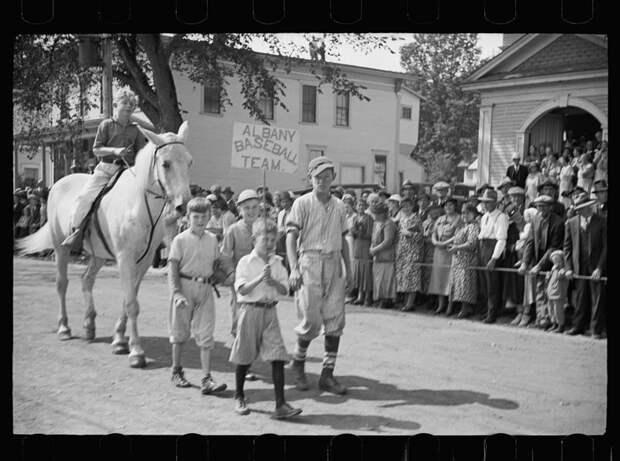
pixel 41 240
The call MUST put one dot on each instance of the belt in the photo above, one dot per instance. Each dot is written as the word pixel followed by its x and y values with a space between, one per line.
pixel 194 279
pixel 265 305
pixel 324 254
pixel 111 159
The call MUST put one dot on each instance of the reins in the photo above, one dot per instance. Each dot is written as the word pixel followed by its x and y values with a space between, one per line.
pixel 162 195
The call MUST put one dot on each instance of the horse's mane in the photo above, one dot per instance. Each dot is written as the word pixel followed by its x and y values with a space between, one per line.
pixel 144 163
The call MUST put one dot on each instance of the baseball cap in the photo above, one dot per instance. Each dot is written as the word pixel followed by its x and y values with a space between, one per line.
pixel 247 194
pixel 318 164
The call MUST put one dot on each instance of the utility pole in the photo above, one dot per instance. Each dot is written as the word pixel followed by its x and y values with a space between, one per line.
pixel 107 75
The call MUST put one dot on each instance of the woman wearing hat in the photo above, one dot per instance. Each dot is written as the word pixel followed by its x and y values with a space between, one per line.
pixel 463 246
pixel 444 230
pixel 409 251
pixel 382 250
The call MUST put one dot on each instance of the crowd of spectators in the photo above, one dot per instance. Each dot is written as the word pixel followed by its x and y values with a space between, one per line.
pixel 535 246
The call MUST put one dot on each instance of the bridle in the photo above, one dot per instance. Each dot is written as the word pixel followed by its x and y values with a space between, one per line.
pixel 162 195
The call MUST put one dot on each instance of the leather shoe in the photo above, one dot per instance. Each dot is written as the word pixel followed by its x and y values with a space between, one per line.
pixel 488 320
pixel 328 383
pixel 301 382
pixel 573 332
pixel 285 411
pixel 525 320
pixel 517 319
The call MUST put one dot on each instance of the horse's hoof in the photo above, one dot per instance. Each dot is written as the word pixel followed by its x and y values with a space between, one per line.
pixel 120 348
pixel 137 361
pixel 89 334
pixel 64 335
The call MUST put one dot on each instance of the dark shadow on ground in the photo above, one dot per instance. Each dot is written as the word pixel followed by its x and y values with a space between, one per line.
pixel 158 354
pixel 349 422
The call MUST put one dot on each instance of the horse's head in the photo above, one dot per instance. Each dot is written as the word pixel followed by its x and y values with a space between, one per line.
pixel 170 163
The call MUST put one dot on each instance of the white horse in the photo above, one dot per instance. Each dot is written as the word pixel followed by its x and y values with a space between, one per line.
pixel 131 218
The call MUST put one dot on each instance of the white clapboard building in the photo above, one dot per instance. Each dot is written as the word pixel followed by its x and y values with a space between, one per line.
pixel 370 141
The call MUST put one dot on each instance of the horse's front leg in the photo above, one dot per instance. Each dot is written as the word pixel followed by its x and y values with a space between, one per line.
pixel 131 276
pixel 88 281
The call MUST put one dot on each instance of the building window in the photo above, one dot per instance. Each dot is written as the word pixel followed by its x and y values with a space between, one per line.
pixel 266 105
pixel 342 109
pixel 308 104
pixel 314 153
pixel 352 174
pixel 31 174
pixel 212 98
pixel 405 112
pixel 380 173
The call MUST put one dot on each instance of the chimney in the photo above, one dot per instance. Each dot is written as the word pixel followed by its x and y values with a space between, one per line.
pixel 509 39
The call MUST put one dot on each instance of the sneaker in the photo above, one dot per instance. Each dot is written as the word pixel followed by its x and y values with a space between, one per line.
pixel 208 386
pixel 241 407
pixel 285 411
pixel 178 379
pixel 250 376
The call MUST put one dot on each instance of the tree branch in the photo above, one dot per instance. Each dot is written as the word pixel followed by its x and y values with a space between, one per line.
pixel 139 78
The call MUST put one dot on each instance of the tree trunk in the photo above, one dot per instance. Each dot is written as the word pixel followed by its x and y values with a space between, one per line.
pixel 170 116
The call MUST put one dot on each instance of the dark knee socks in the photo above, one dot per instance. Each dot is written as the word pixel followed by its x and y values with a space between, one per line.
pixel 277 373
pixel 331 351
pixel 240 373
pixel 300 350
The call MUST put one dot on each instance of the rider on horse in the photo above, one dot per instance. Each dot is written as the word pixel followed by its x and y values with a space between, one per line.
pixel 117 142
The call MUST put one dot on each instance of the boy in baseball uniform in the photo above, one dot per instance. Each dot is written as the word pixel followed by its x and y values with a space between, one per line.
pixel 192 309
pixel 316 248
pixel 260 278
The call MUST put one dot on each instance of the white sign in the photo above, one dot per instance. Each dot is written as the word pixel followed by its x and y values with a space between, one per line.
pixel 265 147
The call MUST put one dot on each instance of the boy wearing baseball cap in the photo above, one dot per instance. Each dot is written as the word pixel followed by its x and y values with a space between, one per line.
pixel 316 248
pixel 237 243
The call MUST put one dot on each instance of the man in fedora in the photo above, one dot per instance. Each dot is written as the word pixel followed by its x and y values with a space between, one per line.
pixel 600 192
pixel 517 172
pixel 585 249
pixel 513 283
pixel 547 235
pixel 441 190
pixel 503 187
pixel 550 189
pixel 492 242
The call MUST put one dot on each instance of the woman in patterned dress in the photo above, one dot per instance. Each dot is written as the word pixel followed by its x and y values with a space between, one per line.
pixel 382 250
pixel 409 251
pixel 444 229
pixel 361 231
pixel 462 283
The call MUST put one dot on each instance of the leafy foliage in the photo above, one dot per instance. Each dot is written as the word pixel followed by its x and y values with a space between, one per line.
pixel 448 116
pixel 47 65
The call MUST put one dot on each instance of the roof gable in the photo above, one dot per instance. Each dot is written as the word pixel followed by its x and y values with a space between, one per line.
pixel 567 53
pixel 543 54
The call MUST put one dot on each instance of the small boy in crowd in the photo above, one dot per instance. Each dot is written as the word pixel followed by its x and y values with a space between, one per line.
pixel 557 289
pixel 193 253
pixel 260 278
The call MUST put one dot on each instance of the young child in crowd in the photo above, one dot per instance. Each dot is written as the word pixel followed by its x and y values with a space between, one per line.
pixel 361 231
pixel 557 288
pixel 193 253
pixel 382 250
pixel 260 278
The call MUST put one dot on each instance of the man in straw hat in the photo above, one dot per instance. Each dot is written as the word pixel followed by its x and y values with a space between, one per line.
pixel 547 235
pixel 550 188
pixel 492 241
pixel 316 247
pixel 517 172
pixel 585 249
pixel 441 190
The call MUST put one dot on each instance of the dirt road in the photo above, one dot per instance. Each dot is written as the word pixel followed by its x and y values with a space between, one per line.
pixel 406 373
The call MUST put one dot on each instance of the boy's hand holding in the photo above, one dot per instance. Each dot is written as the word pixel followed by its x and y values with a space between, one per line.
pixel 179 300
